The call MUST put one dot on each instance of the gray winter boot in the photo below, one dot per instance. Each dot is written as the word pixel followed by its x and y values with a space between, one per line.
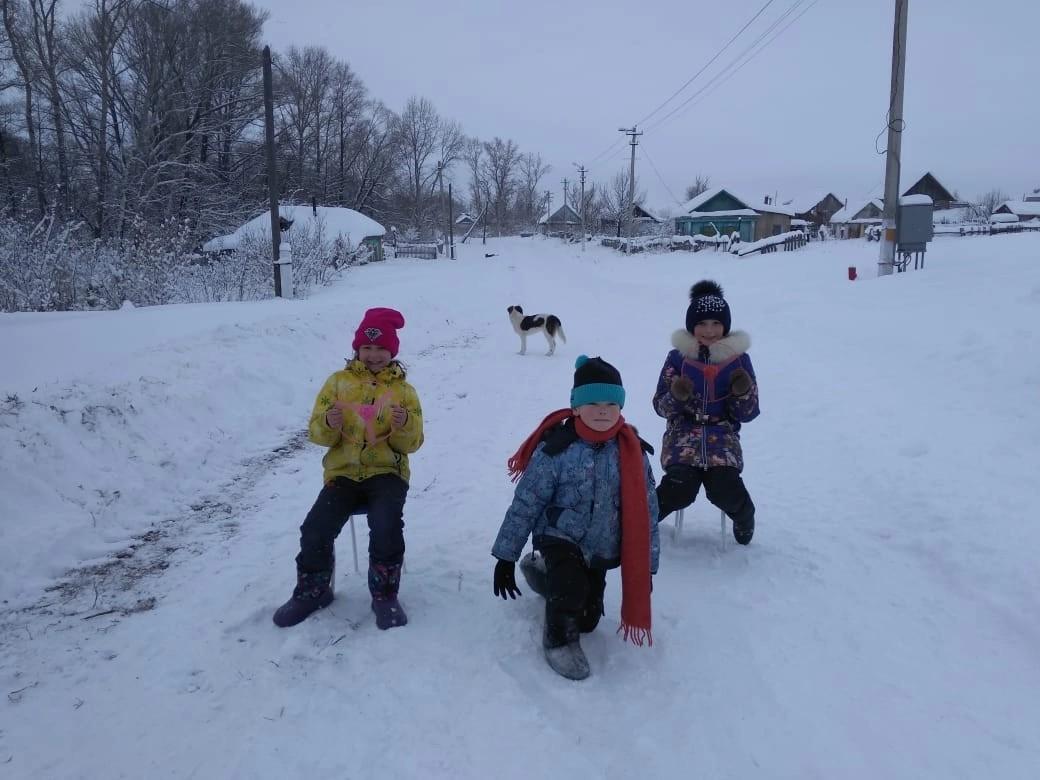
pixel 313 591
pixel 384 580
pixel 563 650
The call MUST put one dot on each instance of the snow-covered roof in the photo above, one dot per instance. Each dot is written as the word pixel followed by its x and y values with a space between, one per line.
pixel 804 203
pixel 1003 218
pixel 704 197
pixel 846 214
pixel 916 200
pixel 335 221
pixel 565 214
pixel 463 217
pixel 1023 208
pixel 772 208
pixel 713 214
pixel 909 183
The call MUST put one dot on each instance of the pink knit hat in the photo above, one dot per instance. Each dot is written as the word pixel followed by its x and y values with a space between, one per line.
pixel 379 327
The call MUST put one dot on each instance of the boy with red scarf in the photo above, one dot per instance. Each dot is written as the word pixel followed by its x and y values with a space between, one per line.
pixel 586 495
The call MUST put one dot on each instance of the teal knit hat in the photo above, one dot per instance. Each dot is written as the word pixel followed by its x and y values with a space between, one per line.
pixel 596 381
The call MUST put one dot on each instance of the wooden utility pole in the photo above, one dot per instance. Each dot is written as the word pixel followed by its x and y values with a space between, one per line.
pixel 440 183
pixel 581 203
pixel 887 257
pixel 631 183
pixel 565 183
pixel 272 170
pixel 451 226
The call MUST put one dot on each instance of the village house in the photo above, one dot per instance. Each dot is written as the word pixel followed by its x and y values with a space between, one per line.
pixel 564 220
pixel 815 208
pixel 942 198
pixel 351 228
pixel 717 212
pixel 852 221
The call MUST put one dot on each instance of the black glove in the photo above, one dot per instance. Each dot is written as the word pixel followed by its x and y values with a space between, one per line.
pixel 740 382
pixel 505 579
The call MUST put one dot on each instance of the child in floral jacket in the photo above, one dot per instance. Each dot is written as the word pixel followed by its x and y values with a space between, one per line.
pixel 706 390
pixel 370 419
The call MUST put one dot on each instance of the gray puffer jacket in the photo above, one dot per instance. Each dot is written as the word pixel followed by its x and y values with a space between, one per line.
pixel 574 496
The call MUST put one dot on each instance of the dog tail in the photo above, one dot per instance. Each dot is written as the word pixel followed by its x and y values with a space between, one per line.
pixel 555 327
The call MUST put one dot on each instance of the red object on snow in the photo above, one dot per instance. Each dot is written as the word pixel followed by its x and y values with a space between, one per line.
pixel 852 273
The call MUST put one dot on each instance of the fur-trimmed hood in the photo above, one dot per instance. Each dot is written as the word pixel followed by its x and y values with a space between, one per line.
pixel 735 344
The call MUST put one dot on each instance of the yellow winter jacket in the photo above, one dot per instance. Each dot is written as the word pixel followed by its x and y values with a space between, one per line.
pixel 366 446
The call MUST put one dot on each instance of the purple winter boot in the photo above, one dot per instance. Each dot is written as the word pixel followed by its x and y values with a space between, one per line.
pixel 384 579
pixel 313 591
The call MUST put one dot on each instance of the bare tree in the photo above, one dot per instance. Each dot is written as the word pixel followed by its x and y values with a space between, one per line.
pixel 473 156
pixel 700 184
pixel 500 168
pixel 531 169
pixel 19 41
pixel 427 139
pixel 987 203
pixel 615 198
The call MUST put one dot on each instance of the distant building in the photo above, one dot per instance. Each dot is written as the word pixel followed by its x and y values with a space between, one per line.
pixel 351 227
pixel 929 185
pixel 564 220
pixel 773 219
pixel 717 212
pixel 1023 209
pixel 851 222
pixel 816 208
pixel 464 222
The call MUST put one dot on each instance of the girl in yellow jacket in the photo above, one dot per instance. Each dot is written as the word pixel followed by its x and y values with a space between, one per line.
pixel 370 419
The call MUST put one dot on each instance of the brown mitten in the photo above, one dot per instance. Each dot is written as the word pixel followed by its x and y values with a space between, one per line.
pixel 682 388
pixel 740 382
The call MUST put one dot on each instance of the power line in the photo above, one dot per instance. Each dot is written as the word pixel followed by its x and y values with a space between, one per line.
pixel 718 54
pixel 730 71
pixel 660 178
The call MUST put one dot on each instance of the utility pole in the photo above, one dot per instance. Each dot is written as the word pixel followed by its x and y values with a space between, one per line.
pixel 272 170
pixel 582 170
pixel 451 227
pixel 631 183
pixel 895 139
pixel 548 206
pixel 565 183
pixel 440 183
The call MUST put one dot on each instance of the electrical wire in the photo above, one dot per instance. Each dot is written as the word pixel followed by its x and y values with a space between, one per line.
pixel 706 65
pixel 733 68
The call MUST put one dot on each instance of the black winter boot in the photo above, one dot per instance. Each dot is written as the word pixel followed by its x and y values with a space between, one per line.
pixel 313 592
pixel 563 649
pixel 744 531
pixel 384 580
pixel 593 609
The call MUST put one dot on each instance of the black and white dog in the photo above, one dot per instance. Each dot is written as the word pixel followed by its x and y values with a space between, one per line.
pixel 549 324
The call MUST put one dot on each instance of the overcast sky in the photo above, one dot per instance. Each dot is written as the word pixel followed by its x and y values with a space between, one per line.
pixel 559 78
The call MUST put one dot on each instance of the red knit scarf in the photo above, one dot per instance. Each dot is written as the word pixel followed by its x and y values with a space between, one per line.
pixel 635 516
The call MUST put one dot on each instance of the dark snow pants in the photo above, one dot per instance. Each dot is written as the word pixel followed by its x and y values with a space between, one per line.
pixel 383 495
pixel 722 484
pixel 574 601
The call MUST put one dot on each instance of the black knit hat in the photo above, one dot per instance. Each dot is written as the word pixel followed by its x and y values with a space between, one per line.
pixel 596 381
pixel 707 303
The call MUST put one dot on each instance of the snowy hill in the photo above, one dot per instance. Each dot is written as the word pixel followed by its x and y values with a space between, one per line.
pixel 883 623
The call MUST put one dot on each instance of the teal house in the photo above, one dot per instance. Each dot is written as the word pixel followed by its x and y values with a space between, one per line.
pixel 717 212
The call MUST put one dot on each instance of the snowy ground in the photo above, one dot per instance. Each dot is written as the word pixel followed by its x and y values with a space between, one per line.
pixel 153 473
